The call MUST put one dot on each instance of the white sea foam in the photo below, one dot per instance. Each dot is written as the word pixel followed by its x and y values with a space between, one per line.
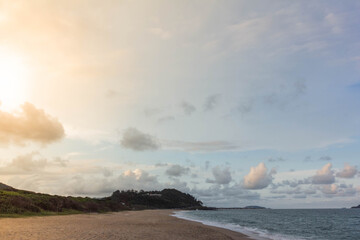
pixel 254 233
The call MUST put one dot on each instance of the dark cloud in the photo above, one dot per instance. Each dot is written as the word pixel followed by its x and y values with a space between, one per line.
pixel 161 165
pixel 176 171
pixel 188 108
pixel 291 183
pixel 221 176
pixel 300 87
pixel 245 107
pixel 325 158
pixel 138 141
pixel 30 125
pixel 201 146
pixel 322 158
pixel 166 119
pixel 286 94
pixel 211 102
pixel 279 159
pixel 207 165
pixel 295 191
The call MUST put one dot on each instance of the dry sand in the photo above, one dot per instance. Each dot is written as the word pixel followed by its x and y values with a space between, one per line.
pixel 149 224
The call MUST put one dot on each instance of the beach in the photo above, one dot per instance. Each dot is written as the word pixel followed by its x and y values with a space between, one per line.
pixel 147 224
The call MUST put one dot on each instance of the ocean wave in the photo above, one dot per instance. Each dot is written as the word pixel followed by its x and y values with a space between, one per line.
pixel 254 233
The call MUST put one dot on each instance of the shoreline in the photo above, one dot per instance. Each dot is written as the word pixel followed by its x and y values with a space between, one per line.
pixel 215 225
pixel 146 224
pixel 228 232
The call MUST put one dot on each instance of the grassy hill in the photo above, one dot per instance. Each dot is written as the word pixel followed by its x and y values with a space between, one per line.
pixel 20 202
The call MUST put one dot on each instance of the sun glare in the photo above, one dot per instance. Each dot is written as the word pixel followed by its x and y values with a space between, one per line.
pixel 13 80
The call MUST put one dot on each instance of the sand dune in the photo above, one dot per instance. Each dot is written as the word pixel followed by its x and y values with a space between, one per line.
pixel 149 224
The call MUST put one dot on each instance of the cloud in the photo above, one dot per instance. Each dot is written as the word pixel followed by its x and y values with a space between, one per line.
pixel 161 165
pixel 160 32
pixel 166 119
pixel 279 159
pixel 111 93
pixel 293 183
pixel 95 186
pixel 222 176
pixel 334 22
pixel 297 191
pixel 176 171
pixel 201 146
pixel 29 125
pixel 300 88
pixel 322 158
pixel 245 107
pixel 258 177
pixel 207 165
pixel 347 172
pixel 211 102
pixel 138 141
pixel 62 162
pixel 325 158
pixel 341 190
pixel 188 108
pixel 149 112
pixel 286 94
pixel 324 175
pixel 28 162
pixel 224 195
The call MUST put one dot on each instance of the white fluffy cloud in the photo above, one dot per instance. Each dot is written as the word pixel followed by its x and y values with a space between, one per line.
pixel 324 176
pixel 29 125
pixel 258 177
pixel 138 141
pixel 347 172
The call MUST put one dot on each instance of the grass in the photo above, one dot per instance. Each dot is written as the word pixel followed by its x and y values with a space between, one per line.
pixel 38 214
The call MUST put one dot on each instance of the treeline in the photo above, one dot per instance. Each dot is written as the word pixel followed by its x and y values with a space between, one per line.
pixel 165 199
pixel 13 201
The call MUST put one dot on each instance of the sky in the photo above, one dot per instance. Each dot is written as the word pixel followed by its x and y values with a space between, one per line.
pixel 235 102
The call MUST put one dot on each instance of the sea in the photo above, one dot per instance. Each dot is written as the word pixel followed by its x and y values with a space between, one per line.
pixel 283 224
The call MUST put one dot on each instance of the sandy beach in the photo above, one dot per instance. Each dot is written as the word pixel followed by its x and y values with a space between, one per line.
pixel 148 224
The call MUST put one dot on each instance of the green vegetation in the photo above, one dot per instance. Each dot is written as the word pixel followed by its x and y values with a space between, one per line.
pixel 30 203
pixel 165 199
pixel 14 202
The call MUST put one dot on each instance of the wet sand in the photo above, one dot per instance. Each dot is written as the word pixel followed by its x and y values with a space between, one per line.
pixel 149 224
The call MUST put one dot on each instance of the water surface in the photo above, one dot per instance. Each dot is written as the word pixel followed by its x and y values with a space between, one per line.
pixel 284 224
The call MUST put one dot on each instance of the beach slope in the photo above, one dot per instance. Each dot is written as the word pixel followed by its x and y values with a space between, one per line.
pixel 148 224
